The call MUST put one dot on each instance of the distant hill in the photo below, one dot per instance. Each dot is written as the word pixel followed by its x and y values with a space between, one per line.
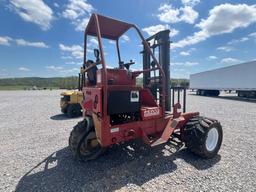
pixel 29 82
pixel 180 83
pixel 59 83
pixel 174 82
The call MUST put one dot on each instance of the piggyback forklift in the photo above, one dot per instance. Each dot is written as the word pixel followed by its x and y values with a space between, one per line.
pixel 117 110
pixel 71 101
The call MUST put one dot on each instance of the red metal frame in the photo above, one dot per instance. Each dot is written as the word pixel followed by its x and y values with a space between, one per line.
pixel 95 104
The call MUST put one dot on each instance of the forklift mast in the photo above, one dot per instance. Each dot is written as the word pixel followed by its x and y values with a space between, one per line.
pixel 160 47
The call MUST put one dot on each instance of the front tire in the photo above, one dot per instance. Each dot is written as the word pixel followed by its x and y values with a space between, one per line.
pixel 83 142
pixel 64 110
pixel 203 136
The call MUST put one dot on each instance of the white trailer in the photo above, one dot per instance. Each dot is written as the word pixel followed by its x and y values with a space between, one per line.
pixel 241 78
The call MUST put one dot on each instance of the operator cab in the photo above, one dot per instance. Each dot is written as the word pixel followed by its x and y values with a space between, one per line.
pixel 116 76
pixel 116 89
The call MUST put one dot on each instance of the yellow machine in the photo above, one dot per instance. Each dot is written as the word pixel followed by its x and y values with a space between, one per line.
pixel 70 103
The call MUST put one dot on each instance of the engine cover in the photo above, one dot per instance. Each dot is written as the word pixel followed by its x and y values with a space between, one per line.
pixel 123 102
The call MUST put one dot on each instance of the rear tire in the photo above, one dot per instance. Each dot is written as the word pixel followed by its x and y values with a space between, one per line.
pixel 203 136
pixel 74 110
pixel 83 142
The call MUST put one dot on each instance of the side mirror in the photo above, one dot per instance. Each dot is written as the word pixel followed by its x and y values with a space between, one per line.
pixel 97 54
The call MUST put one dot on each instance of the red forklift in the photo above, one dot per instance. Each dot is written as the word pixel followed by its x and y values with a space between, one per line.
pixel 117 109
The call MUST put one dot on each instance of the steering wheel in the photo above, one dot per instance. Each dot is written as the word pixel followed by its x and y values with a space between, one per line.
pixel 127 65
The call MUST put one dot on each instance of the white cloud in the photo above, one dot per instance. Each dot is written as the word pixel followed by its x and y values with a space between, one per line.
pixel 184 53
pixel 230 60
pixel 24 69
pixel 70 63
pixel 91 51
pixel 252 34
pixel 191 40
pixel 66 57
pixel 54 68
pixel 188 52
pixel 191 63
pixel 189 15
pixel 70 48
pixel 5 40
pixel 23 42
pixel 190 2
pixel 81 24
pixel 77 8
pixel 124 38
pixel 243 39
pixel 173 32
pixel 78 12
pixel 168 14
pixel 81 6
pixel 70 14
pixel 235 41
pixel 112 42
pixel 74 63
pixel 70 71
pixel 56 5
pixel 187 63
pixel 236 16
pixel 212 57
pixel 3 73
pixel 151 30
pixel 60 69
pixel 35 11
pixel 225 48
pixel 78 54
pixel 93 42
pixel 75 50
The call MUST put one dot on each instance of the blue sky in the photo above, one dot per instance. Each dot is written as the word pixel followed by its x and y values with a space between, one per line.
pixel 45 37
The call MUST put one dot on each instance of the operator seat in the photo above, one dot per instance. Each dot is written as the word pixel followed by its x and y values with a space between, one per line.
pixel 91 73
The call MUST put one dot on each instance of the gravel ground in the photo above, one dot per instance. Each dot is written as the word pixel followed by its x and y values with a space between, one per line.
pixel 34 154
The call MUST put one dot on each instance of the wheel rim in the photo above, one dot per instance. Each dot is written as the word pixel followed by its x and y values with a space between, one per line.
pixel 89 144
pixel 212 139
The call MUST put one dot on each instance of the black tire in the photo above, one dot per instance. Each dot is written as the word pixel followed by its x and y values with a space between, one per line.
pixel 74 110
pixel 195 136
pixel 64 110
pixel 78 136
